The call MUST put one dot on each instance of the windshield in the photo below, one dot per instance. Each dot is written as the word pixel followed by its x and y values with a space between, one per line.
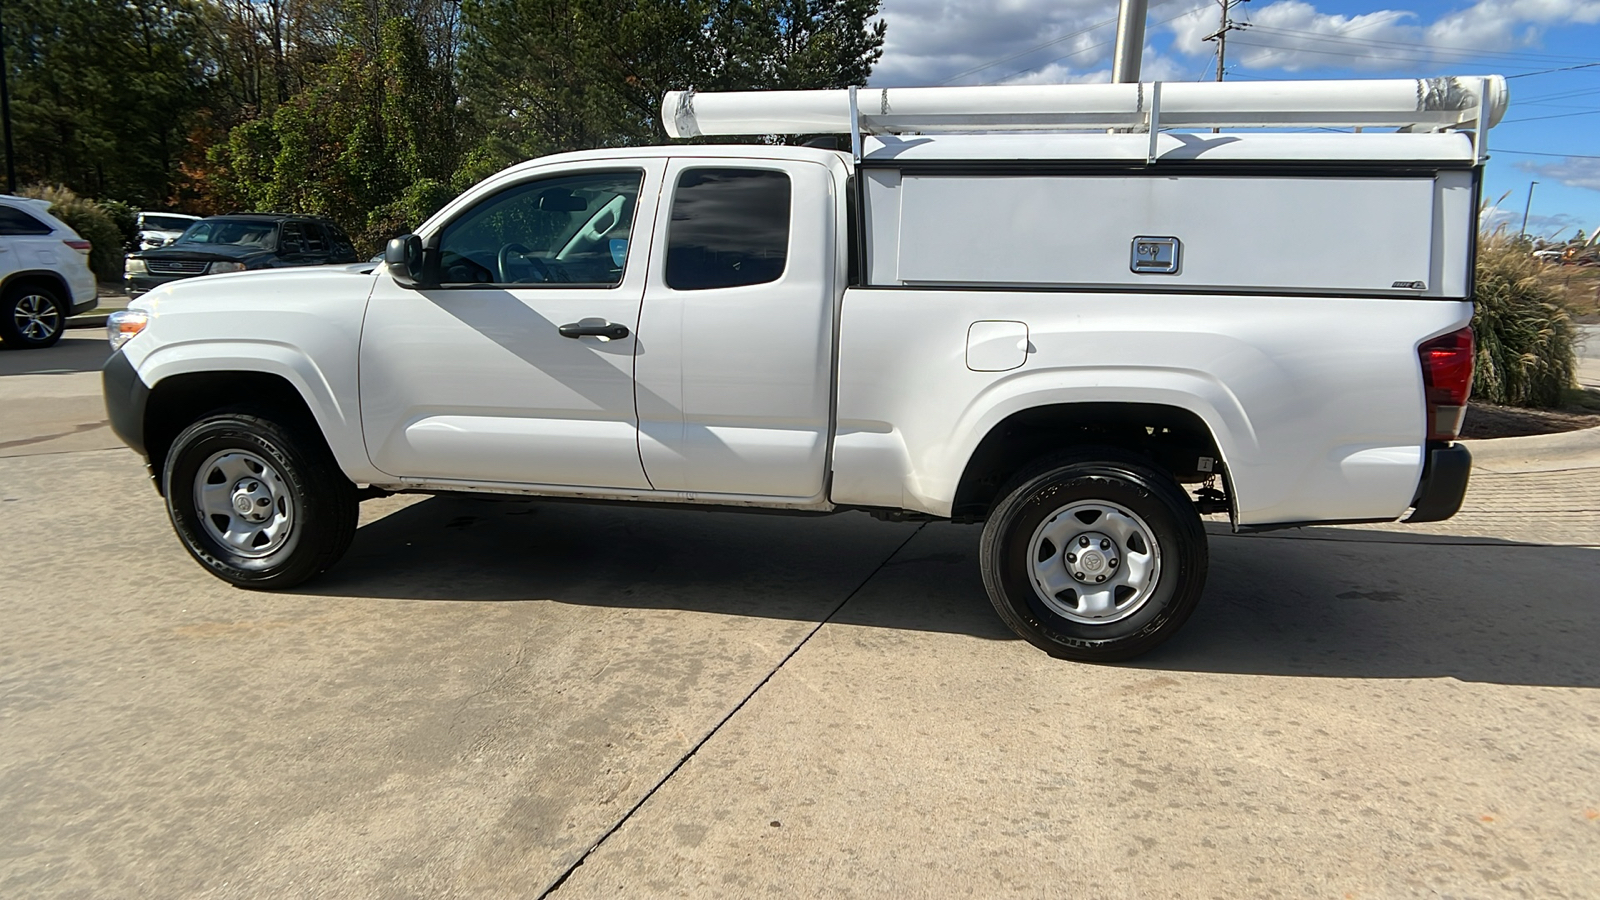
pixel 165 223
pixel 234 232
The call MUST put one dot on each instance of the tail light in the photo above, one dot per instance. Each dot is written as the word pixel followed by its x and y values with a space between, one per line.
pixel 81 246
pixel 1447 382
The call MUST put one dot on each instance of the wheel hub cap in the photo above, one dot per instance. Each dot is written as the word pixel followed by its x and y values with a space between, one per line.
pixel 244 503
pixel 1094 562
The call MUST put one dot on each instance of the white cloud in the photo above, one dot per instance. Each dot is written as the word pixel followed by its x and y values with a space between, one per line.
pixel 930 41
pixel 1571 171
pixel 1502 24
pixel 1155 67
pixel 1539 225
pixel 1294 35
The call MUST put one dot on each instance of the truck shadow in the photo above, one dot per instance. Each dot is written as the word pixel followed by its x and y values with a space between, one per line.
pixel 1317 602
pixel 1357 604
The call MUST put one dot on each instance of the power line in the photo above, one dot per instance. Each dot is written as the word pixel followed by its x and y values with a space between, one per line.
pixel 1411 45
pixel 1537 153
pixel 1557 116
pixel 1562 69
pixel 1397 58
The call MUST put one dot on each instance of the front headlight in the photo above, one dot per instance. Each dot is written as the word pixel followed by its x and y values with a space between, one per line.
pixel 135 267
pixel 217 268
pixel 123 324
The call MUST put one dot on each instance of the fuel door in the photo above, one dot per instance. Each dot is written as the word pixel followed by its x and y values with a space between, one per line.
pixel 996 346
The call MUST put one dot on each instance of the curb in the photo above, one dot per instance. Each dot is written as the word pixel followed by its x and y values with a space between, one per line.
pixel 88 321
pixel 1537 452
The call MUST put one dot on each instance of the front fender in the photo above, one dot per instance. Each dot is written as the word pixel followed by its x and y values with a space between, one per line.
pixel 331 397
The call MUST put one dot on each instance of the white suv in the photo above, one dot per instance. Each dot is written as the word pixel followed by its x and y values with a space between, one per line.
pixel 44 273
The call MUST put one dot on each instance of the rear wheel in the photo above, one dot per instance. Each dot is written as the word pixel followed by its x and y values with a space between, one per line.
pixel 31 316
pixel 1094 556
pixel 258 502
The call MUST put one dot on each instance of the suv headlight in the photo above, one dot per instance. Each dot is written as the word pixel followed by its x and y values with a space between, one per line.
pixel 217 268
pixel 134 267
pixel 123 324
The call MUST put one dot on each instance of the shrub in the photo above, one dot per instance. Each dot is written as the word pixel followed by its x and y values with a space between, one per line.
pixel 125 217
pixel 91 223
pixel 1526 352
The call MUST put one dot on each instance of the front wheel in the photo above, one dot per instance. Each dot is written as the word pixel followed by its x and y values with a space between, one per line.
pixel 259 503
pixel 1094 556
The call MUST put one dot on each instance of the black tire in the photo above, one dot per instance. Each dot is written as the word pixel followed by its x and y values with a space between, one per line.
pixel 313 505
pixel 32 316
pixel 1059 495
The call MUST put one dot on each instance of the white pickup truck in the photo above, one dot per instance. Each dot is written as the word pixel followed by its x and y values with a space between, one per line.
pixel 1051 333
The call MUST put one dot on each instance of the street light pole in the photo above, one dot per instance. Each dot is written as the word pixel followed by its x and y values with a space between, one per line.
pixel 5 114
pixel 1528 207
pixel 1129 51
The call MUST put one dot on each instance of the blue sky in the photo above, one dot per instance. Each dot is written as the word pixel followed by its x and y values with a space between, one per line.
pixel 1554 119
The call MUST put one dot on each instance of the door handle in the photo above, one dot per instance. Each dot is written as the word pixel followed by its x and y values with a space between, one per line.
pixel 610 330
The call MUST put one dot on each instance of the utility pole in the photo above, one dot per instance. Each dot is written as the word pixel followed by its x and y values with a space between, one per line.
pixel 5 114
pixel 1221 34
pixel 1527 207
pixel 1130 41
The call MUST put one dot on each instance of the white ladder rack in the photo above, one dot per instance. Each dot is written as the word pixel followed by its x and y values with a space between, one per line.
pixel 1413 104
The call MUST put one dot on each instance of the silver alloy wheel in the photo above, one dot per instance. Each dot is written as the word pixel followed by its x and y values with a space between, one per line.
pixel 244 503
pixel 37 317
pixel 1094 562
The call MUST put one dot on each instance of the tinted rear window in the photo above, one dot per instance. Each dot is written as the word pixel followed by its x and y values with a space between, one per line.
pixel 730 227
pixel 15 221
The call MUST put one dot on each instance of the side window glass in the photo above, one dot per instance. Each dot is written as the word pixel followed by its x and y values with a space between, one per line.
pixel 730 227
pixel 14 222
pixel 342 248
pixel 314 241
pixel 292 239
pixel 572 229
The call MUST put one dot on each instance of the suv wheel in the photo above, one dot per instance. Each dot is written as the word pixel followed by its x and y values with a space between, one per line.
pixel 259 503
pixel 31 316
pixel 1094 556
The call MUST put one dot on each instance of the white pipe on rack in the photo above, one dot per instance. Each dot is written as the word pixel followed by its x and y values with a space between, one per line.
pixel 1425 104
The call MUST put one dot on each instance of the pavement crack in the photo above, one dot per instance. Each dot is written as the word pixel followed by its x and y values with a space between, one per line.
pixel 688 755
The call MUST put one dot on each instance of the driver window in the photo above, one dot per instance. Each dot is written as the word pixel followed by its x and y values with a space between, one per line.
pixel 572 229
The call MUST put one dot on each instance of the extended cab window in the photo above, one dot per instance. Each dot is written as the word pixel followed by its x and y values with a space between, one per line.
pixel 730 227
pixel 568 230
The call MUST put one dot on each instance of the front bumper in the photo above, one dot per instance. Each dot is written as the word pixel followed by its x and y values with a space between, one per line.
pixel 1443 485
pixel 126 398
pixel 138 284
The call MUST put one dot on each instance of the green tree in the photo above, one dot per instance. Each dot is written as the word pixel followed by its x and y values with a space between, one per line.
pixel 369 142
pixel 101 93
pixel 543 76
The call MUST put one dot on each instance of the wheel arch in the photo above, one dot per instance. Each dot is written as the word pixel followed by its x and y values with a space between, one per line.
pixel 1172 438
pixel 177 401
pixel 44 276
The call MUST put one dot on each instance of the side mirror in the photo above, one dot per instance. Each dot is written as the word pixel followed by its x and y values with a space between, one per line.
pixel 290 248
pixel 403 259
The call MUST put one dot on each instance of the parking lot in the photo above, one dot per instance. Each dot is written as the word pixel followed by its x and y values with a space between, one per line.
pixel 509 698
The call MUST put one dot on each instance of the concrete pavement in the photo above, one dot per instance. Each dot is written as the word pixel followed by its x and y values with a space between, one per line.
pixel 516 699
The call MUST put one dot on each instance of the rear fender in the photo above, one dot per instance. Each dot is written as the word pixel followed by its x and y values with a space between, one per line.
pixel 1191 391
